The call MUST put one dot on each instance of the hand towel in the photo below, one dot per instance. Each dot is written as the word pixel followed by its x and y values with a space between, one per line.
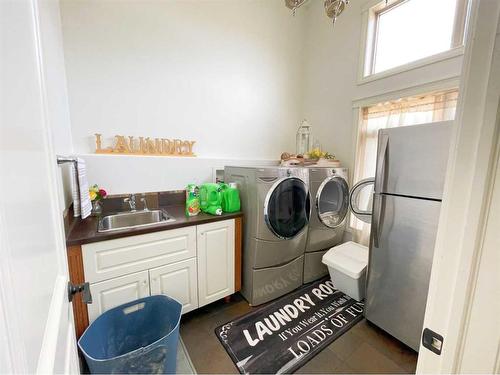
pixel 80 189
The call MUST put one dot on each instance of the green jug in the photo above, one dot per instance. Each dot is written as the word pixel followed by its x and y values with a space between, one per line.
pixel 230 198
pixel 211 198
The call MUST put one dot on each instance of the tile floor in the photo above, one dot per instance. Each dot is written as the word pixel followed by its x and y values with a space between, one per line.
pixel 363 349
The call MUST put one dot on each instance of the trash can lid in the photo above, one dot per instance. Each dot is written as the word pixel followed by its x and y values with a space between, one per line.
pixel 350 258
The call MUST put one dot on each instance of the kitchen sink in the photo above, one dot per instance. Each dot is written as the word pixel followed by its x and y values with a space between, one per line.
pixel 133 219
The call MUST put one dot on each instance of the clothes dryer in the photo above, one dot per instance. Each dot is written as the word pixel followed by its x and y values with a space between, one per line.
pixel 276 204
pixel 330 204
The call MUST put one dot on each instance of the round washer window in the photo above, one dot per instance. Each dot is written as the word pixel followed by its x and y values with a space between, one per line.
pixel 332 201
pixel 287 207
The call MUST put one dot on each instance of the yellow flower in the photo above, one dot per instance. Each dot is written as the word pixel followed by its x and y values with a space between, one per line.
pixel 93 195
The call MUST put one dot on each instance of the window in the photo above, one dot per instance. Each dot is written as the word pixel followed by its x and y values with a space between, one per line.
pixel 431 107
pixel 403 31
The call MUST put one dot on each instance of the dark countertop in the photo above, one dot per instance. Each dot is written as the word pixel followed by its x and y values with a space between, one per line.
pixel 85 231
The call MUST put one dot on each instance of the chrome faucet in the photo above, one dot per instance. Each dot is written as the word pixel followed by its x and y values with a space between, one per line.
pixel 144 202
pixel 131 201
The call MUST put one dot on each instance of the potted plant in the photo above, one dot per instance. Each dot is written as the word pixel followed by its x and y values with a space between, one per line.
pixel 96 195
pixel 323 158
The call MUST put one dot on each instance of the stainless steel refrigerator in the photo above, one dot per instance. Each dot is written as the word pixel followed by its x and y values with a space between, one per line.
pixel 409 180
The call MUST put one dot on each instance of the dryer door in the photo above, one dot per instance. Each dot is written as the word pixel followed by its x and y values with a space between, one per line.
pixel 332 201
pixel 287 207
pixel 361 196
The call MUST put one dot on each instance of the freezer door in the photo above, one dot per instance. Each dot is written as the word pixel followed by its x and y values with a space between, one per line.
pixel 411 160
pixel 401 250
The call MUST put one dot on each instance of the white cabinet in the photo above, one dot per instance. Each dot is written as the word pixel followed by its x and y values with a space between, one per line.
pixel 215 248
pixel 194 265
pixel 177 280
pixel 113 292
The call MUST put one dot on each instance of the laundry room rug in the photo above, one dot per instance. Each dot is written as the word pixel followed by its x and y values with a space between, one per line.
pixel 285 334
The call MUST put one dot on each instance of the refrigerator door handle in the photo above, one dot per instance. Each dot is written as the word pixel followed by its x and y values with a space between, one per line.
pixel 377 214
pixel 381 156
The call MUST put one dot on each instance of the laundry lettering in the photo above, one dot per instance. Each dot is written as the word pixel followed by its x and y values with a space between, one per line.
pixel 277 320
pixel 312 340
pixel 144 146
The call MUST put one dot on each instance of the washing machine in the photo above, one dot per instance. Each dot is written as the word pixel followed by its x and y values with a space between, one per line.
pixel 277 207
pixel 330 204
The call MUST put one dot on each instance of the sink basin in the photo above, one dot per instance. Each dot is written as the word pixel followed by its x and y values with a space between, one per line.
pixel 133 219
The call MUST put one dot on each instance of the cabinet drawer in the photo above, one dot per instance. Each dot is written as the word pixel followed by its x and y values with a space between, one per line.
pixel 177 280
pixel 111 293
pixel 107 259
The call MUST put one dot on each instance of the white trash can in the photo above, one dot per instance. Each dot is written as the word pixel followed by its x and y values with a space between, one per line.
pixel 347 267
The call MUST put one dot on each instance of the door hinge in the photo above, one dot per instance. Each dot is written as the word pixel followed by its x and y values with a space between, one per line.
pixel 80 288
pixel 432 341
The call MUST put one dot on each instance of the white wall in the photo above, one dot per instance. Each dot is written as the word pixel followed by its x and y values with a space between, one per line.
pixel 331 71
pixel 236 76
pixel 122 174
pixel 57 96
pixel 225 73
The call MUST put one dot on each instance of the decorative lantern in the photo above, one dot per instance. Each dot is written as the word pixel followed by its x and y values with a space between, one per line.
pixel 303 138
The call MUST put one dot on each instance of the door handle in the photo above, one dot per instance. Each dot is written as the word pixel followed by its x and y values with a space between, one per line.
pixel 80 288
pixel 353 197
pixel 308 206
pixel 381 156
pixel 378 206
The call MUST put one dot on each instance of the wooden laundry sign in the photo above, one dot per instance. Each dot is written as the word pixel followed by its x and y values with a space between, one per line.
pixel 129 145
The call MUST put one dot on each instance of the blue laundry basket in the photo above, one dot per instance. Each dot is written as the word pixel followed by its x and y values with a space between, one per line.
pixel 136 337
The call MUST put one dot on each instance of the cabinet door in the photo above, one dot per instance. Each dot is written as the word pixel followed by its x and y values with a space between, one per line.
pixel 215 245
pixel 114 292
pixel 177 280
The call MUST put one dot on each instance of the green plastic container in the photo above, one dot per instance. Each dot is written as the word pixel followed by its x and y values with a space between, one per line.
pixel 211 198
pixel 192 200
pixel 230 198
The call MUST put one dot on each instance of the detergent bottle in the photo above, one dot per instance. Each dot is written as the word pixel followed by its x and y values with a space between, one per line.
pixel 230 198
pixel 192 200
pixel 211 198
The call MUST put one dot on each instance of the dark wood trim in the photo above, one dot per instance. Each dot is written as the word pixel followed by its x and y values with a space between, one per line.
pixel 238 237
pixel 77 276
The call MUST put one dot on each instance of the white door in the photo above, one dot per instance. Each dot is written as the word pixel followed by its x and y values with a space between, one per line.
pixel 463 301
pixel 482 332
pixel 215 261
pixel 177 280
pixel 117 291
pixel 36 319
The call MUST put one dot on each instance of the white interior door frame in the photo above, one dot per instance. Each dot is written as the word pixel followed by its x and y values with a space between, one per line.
pixel 467 194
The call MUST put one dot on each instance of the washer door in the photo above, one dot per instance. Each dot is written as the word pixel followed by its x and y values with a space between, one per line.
pixel 287 207
pixel 332 201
